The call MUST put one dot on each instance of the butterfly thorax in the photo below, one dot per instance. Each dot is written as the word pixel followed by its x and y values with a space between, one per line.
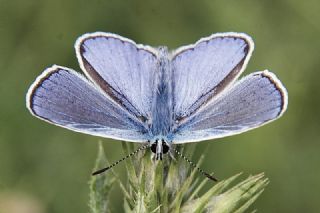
pixel 162 97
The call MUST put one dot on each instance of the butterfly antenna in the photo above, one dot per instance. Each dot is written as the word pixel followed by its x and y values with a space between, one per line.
pixel 195 166
pixel 124 158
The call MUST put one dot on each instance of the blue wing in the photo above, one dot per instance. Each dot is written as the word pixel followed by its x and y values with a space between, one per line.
pixel 251 102
pixel 121 68
pixel 63 97
pixel 203 70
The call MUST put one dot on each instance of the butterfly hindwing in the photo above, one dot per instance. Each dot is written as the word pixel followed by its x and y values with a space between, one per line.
pixel 63 97
pixel 251 102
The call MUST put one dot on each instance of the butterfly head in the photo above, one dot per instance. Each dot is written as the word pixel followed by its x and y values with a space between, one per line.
pixel 160 147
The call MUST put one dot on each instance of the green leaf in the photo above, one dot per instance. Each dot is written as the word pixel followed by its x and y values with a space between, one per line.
pixel 240 197
pixel 100 185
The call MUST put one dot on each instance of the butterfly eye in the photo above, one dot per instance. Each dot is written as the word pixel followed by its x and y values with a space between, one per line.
pixel 154 147
pixel 165 147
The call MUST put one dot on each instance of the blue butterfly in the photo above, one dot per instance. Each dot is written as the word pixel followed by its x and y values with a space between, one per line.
pixel 142 94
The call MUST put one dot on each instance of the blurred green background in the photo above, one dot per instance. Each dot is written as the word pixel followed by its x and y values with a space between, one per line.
pixel 46 168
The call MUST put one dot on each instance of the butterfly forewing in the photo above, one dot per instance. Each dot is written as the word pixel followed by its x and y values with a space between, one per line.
pixel 121 68
pixel 253 101
pixel 203 70
pixel 65 98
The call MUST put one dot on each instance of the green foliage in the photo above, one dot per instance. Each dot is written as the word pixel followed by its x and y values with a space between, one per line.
pixel 171 186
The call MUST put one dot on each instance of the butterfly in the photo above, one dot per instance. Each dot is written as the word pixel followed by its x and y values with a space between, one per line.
pixel 139 93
